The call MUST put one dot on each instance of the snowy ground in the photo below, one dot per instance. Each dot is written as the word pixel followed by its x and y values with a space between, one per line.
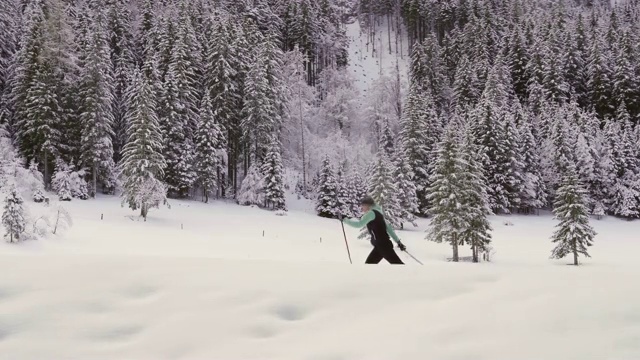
pixel 124 289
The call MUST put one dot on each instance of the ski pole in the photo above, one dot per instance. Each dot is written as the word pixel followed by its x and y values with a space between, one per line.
pixel 414 258
pixel 346 242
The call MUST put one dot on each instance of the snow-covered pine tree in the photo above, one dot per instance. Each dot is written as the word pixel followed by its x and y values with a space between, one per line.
pixel 179 102
pixel 599 80
pixel 96 111
pixel 36 103
pixel 273 173
pixel 446 194
pixel 252 187
pixel 10 22
pixel 407 198
pixel 574 234
pixel 357 191
pixel 142 164
pixel 625 77
pixel 62 181
pixel 383 189
pixel 386 142
pixel 466 85
pixel 258 112
pixel 209 141
pixel 584 165
pixel 554 79
pixel 13 216
pixel 493 126
pixel 475 199
pixel 122 55
pixel 344 197
pixel 327 190
pixel 518 57
pixel 625 193
pixel 223 77
pixel 604 176
pixel 558 153
pixel 533 193
pixel 420 130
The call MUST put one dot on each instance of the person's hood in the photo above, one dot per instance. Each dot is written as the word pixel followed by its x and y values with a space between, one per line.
pixel 377 208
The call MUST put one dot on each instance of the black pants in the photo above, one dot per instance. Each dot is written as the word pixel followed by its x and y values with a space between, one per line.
pixel 378 253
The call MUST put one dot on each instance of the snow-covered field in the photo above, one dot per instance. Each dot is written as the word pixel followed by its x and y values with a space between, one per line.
pixel 200 281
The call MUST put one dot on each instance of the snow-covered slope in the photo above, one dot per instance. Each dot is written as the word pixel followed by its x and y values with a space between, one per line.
pixel 367 65
pixel 218 289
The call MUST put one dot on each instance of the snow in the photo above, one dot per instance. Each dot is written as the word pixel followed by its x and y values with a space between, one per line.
pixel 200 281
pixel 366 67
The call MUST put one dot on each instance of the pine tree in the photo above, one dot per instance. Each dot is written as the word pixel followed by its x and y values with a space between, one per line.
pixel 142 164
pixel 385 141
pixel 177 99
pixel 209 148
pixel 224 68
pixel 533 191
pixel 62 181
pixel 554 78
pixel 419 136
pixel 96 113
pixel 494 131
pixel 625 192
pixel 357 192
pixel 382 188
pixel 259 106
pixel 407 197
pixel 599 80
pixel 446 194
pixel 327 191
pixel 122 55
pixel 576 63
pixel 601 185
pixel 252 189
pixel 574 233
pixel 344 198
pixel 36 104
pixel 518 58
pixel 625 78
pixel 13 216
pixel 475 198
pixel 467 87
pixel 273 172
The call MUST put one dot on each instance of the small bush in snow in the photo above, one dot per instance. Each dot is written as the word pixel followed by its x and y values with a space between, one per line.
pixel 38 196
pixel 68 183
pixel 62 219
pixel 281 213
pixel 13 217
pixel 252 188
pixel 41 226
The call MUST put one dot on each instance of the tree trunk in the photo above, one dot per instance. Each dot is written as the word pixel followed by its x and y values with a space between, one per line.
pixel 389 22
pixel 474 250
pixel 95 181
pixel 304 163
pixel 46 170
pixel 455 248
pixel 143 211
pixel 55 228
pixel 575 253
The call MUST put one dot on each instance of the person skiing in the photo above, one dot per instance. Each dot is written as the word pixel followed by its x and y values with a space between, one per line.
pixel 381 233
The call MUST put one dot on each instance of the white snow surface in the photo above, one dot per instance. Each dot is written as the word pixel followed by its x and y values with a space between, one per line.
pixel 121 288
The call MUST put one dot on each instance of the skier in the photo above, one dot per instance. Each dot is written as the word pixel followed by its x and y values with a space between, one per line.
pixel 381 233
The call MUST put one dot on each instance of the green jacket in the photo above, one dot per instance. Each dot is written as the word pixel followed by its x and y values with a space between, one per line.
pixel 370 216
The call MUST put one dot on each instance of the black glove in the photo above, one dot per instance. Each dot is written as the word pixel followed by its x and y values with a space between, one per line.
pixel 402 247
